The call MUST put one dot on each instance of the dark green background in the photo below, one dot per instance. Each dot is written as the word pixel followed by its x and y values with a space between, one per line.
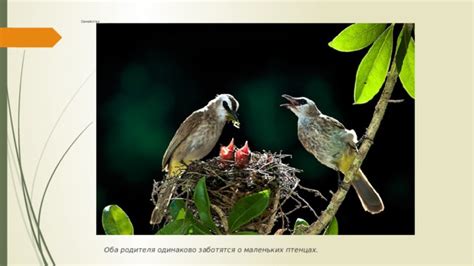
pixel 151 77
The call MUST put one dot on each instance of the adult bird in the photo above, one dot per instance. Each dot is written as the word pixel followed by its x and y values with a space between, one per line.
pixel 195 138
pixel 333 145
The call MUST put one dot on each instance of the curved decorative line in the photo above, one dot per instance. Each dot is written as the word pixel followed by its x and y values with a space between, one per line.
pixel 19 102
pixel 26 195
pixel 56 168
pixel 11 160
pixel 53 130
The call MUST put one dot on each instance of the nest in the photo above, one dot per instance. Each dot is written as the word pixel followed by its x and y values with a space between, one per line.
pixel 227 183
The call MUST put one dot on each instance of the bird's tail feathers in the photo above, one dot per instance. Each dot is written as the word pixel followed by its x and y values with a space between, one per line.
pixel 163 199
pixel 175 169
pixel 368 196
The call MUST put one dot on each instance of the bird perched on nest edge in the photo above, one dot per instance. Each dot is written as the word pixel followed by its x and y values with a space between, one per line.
pixel 195 138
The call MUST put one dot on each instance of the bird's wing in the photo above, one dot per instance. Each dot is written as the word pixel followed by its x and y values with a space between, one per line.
pixel 333 121
pixel 348 136
pixel 181 134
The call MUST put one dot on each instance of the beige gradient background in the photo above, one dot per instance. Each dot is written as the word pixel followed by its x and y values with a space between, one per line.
pixel 51 76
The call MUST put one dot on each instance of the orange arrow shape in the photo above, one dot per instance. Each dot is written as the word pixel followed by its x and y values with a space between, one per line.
pixel 28 37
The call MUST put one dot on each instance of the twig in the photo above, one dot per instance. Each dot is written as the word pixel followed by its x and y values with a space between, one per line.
pixel 222 216
pixel 284 219
pixel 308 205
pixel 396 101
pixel 289 195
pixel 297 207
pixel 338 197
pixel 315 191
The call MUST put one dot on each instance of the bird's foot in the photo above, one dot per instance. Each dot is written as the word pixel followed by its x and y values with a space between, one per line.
pixel 364 138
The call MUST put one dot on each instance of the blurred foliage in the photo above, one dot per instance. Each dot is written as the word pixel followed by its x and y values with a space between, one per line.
pixel 259 114
pixel 134 116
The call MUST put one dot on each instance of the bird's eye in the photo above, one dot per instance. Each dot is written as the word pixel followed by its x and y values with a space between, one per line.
pixel 226 106
pixel 302 102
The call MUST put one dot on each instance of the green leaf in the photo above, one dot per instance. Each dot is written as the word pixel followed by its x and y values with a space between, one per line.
pixel 175 207
pixel 181 215
pixel 300 227
pixel 373 68
pixel 407 72
pixel 246 233
pixel 198 229
pixel 247 208
pixel 333 228
pixel 356 37
pixel 184 224
pixel 115 221
pixel 406 61
pixel 177 227
pixel 201 199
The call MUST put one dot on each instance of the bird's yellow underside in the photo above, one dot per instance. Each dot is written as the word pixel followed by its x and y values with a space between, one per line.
pixel 176 168
pixel 346 161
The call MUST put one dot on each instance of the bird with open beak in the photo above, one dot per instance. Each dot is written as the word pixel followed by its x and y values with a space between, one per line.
pixel 333 145
pixel 195 138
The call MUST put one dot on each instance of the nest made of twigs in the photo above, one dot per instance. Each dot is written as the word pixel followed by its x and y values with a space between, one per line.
pixel 227 183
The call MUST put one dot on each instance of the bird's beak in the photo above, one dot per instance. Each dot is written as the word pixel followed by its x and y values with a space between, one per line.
pixel 233 117
pixel 292 102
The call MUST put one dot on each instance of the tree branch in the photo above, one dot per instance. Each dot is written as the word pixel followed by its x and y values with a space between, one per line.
pixel 338 197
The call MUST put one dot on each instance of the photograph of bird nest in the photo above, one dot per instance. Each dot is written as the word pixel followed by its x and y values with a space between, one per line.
pixel 255 129
pixel 251 195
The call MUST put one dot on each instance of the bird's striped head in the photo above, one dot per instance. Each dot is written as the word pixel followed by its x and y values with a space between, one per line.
pixel 300 106
pixel 227 107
